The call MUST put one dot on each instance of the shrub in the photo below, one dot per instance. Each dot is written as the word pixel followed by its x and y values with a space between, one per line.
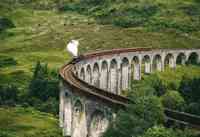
pixel 193 108
pixel 92 2
pixel 50 106
pixel 146 112
pixel 119 13
pixel 191 10
pixel 173 100
pixel 124 21
pixel 133 14
pixel 70 7
pixel 155 82
pixel 190 88
pixel 8 95
pixel 6 134
pixel 159 131
pixel 186 133
pixel 163 24
pixel 5 23
pixel 7 61
pixel 140 89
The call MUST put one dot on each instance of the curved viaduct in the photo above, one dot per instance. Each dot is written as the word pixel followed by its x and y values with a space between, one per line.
pixel 90 89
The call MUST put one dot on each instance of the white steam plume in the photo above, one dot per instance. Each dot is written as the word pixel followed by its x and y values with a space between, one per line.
pixel 72 47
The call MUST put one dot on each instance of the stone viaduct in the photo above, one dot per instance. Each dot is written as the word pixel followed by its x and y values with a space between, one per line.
pixel 90 87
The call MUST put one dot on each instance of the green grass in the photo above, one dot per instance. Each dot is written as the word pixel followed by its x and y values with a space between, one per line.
pixel 175 76
pixel 42 34
pixel 21 122
pixel 158 15
pixel 172 78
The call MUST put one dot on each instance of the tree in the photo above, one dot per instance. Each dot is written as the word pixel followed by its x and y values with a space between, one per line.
pixel 146 112
pixel 8 95
pixel 43 84
pixel 173 100
pixel 43 89
pixel 190 88
pixel 5 23
pixel 159 131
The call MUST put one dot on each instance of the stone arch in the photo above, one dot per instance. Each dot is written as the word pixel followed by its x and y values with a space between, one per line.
pixel 113 76
pixel 96 75
pixel 193 58
pixel 98 125
pixel 79 125
pixel 104 75
pixel 135 68
pixel 157 62
pixel 78 107
pixel 146 64
pixel 181 59
pixel 82 74
pixel 124 73
pixel 169 60
pixel 88 77
pixel 76 73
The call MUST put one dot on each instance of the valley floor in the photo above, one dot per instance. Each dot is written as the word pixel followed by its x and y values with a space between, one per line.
pixel 27 122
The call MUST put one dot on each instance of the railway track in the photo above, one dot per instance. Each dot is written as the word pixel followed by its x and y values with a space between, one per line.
pixel 82 86
pixel 68 76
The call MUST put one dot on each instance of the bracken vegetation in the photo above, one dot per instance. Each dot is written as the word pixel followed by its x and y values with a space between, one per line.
pixel 145 118
pixel 34 31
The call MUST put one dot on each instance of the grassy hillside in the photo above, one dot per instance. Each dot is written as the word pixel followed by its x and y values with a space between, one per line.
pixel 42 33
pixel 43 27
pixel 20 122
pixel 157 15
pixel 173 78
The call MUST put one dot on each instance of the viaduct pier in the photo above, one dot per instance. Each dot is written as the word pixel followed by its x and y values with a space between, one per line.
pixel 90 87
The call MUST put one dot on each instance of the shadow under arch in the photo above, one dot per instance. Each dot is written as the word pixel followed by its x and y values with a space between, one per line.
pixel 88 74
pixel 96 75
pixel 135 68
pixel 169 60
pixel 181 59
pixel 82 74
pixel 193 58
pixel 79 125
pixel 113 76
pixel 124 74
pixel 157 63
pixel 98 125
pixel 78 106
pixel 104 75
pixel 146 65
